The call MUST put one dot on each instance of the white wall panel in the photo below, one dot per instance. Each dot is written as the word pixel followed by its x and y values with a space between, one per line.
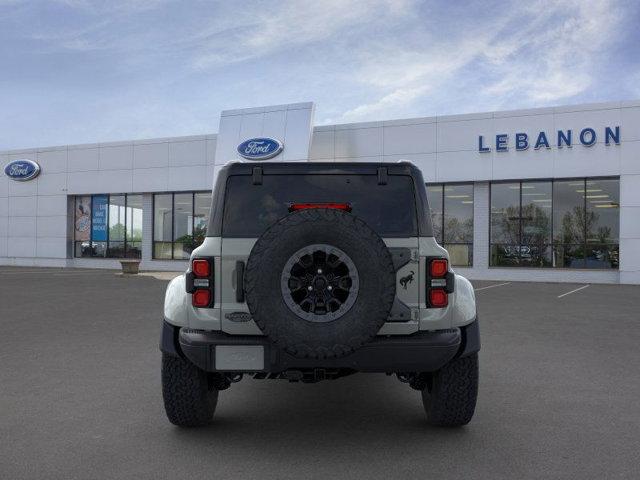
pixel 115 181
pixel 228 138
pixel 22 206
pixel 51 205
pixel 273 125
pixel 51 247
pixel 21 246
pixel 52 183
pixel 22 227
pixel 151 155
pixel 4 182
pixel 22 189
pixel 188 153
pixel 211 150
pixel 322 145
pixel 581 161
pixel 358 142
pixel 630 124
pixel 630 191
pixel 297 136
pixel 84 182
pixel 463 166
pixel 53 161
pixel 251 125
pixel 630 248
pixel 629 222
pixel 83 159
pixel 52 226
pixel 4 206
pixel 630 157
pixel 150 180
pixel 188 178
pixel 117 157
pixel 409 139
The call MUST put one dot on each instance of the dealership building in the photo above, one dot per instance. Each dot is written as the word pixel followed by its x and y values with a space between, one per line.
pixel 547 194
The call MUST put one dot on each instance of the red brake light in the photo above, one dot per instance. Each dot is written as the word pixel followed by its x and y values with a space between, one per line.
pixel 304 206
pixel 201 268
pixel 438 267
pixel 201 298
pixel 438 298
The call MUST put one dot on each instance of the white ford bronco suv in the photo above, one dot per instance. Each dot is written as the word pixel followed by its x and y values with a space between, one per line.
pixel 314 271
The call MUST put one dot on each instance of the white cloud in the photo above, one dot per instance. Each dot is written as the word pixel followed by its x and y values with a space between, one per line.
pixel 287 25
pixel 544 52
pixel 555 63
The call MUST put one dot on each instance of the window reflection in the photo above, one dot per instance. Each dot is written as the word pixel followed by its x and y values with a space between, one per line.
pixel 565 223
pixel 434 196
pixel 451 208
pixel 108 226
pixel 134 226
pixel 180 223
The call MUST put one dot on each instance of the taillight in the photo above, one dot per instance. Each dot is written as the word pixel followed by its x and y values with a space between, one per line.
pixel 304 206
pixel 199 282
pixel 438 267
pixel 200 268
pixel 201 298
pixel 440 282
pixel 438 298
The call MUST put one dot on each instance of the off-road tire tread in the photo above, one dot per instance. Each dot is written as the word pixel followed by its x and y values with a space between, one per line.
pixel 189 398
pixel 273 234
pixel 451 400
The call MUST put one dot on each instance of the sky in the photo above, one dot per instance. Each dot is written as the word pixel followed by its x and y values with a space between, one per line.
pixel 77 71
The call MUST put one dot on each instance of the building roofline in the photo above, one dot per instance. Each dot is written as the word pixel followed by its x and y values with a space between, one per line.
pixel 569 108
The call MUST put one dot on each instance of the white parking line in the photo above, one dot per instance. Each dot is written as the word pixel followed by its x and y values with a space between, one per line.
pixel 492 286
pixel 573 291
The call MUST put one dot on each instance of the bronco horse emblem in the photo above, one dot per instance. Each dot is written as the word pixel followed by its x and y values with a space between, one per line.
pixel 406 280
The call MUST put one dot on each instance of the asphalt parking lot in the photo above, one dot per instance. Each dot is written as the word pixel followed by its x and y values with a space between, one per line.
pixel 80 394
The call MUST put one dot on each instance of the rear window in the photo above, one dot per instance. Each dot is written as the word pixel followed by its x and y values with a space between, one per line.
pixel 250 209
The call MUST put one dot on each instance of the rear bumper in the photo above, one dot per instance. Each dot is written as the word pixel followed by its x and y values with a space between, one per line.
pixel 421 352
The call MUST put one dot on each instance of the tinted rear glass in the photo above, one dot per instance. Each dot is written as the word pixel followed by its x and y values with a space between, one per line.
pixel 389 209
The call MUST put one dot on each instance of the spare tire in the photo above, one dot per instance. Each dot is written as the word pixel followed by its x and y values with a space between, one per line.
pixel 320 283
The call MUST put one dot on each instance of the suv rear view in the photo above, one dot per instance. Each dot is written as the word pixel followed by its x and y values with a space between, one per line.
pixel 314 271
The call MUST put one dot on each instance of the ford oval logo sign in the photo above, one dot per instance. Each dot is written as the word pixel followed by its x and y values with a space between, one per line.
pixel 260 148
pixel 22 170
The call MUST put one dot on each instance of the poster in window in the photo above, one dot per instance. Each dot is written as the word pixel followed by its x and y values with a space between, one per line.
pixel 83 219
pixel 99 218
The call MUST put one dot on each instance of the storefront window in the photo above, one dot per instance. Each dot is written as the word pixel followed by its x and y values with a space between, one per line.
pixel 117 219
pixel 565 224
pixel 535 220
pixel 134 226
pixel 434 195
pixel 162 225
pixel 180 223
pixel 108 226
pixel 451 208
